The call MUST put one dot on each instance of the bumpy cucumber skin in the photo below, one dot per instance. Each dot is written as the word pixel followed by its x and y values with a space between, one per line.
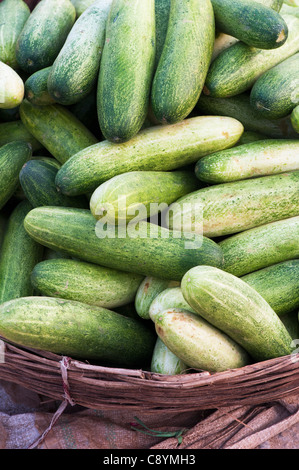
pixel 162 9
pixel 15 130
pixel 237 309
pixel 147 291
pixel 44 34
pixel 11 87
pixel 36 88
pixel 12 157
pixel 85 282
pixel 171 297
pixel 75 69
pixel 19 254
pixel 59 131
pixel 295 119
pixel 184 62
pixel 198 343
pixel 159 148
pixel 157 251
pixel 165 362
pixel 278 285
pixel 275 94
pixel 77 330
pixel 229 208
pixel 260 158
pixel 261 247
pixel 13 14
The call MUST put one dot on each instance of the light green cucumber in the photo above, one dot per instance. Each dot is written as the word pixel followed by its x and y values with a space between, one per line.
pixel 278 285
pixel 147 291
pixel 18 256
pixel 184 61
pixel 75 69
pixel 229 208
pixel 171 297
pixel 162 9
pixel 15 130
pixel 165 362
pixel 44 34
pixel 141 194
pixel 13 14
pixel 260 158
pixel 292 3
pixel 85 282
pixel 198 343
pixel 238 310
pixel 77 330
pixel 11 87
pixel 262 246
pixel 59 131
pixel 145 249
pixel 287 9
pixel 36 88
pixel 158 148
pixel 295 119
pixel 81 6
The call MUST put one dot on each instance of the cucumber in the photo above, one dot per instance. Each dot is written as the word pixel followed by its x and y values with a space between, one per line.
pixel 260 158
pixel 44 34
pixel 3 226
pixel 158 148
pixel 59 131
pixel 165 362
pixel 292 3
pixel 85 282
pixel 12 157
pixel 77 330
pixel 261 247
pixel 276 93
pixel 127 67
pixel 11 87
pixel 162 9
pixel 19 254
pixel 237 68
pixel 37 179
pixel 147 291
pixel 145 193
pixel 75 69
pixel 171 297
pixel 15 130
pixel 197 343
pixel 278 285
pixel 81 5
pixel 185 59
pixel 222 41
pixel 157 251
pixel 295 119
pixel 229 208
pixel 251 22
pixel 287 9
pixel 238 310
pixel 13 14
pixel 238 107
pixel 36 88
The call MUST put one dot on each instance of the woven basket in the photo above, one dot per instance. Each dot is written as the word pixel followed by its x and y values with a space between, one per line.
pixel 96 387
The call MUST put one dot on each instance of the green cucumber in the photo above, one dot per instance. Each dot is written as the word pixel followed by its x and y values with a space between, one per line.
pixel 81 5
pixel 162 9
pixel 238 310
pixel 59 131
pixel 276 93
pixel 237 68
pixel 36 88
pixel 11 87
pixel 12 157
pixel 157 251
pixel 171 297
pixel 251 22
pixel 260 158
pixel 37 179
pixel 44 34
pixel 222 41
pixel 185 60
pixel 158 148
pixel 147 291
pixel 19 254
pixel 85 282
pixel 75 69
pixel 77 330
pixel 261 247
pixel 229 208
pixel 165 362
pixel 13 14
pixel 15 130
pixel 145 193
pixel 198 343
pixel 295 119
pixel 278 285
pixel 3 226
pixel 126 70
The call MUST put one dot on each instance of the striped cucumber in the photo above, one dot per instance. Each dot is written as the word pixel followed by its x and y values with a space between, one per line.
pixel 36 88
pixel 77 330
pixel 229 208
pixel 147 291
pixel 44 34
pixel 260 158
pixel 295 119
pixel 261 247
pixel 157 251
pixel 162 9
pixel 238 310
pixel 158 148
pixel 185 59
pixel 11 87
pixel 165 362
pixel 15 130
pixel 171 297
pixel 85 282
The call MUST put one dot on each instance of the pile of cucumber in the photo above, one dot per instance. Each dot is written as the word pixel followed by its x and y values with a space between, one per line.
pixel 149 181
